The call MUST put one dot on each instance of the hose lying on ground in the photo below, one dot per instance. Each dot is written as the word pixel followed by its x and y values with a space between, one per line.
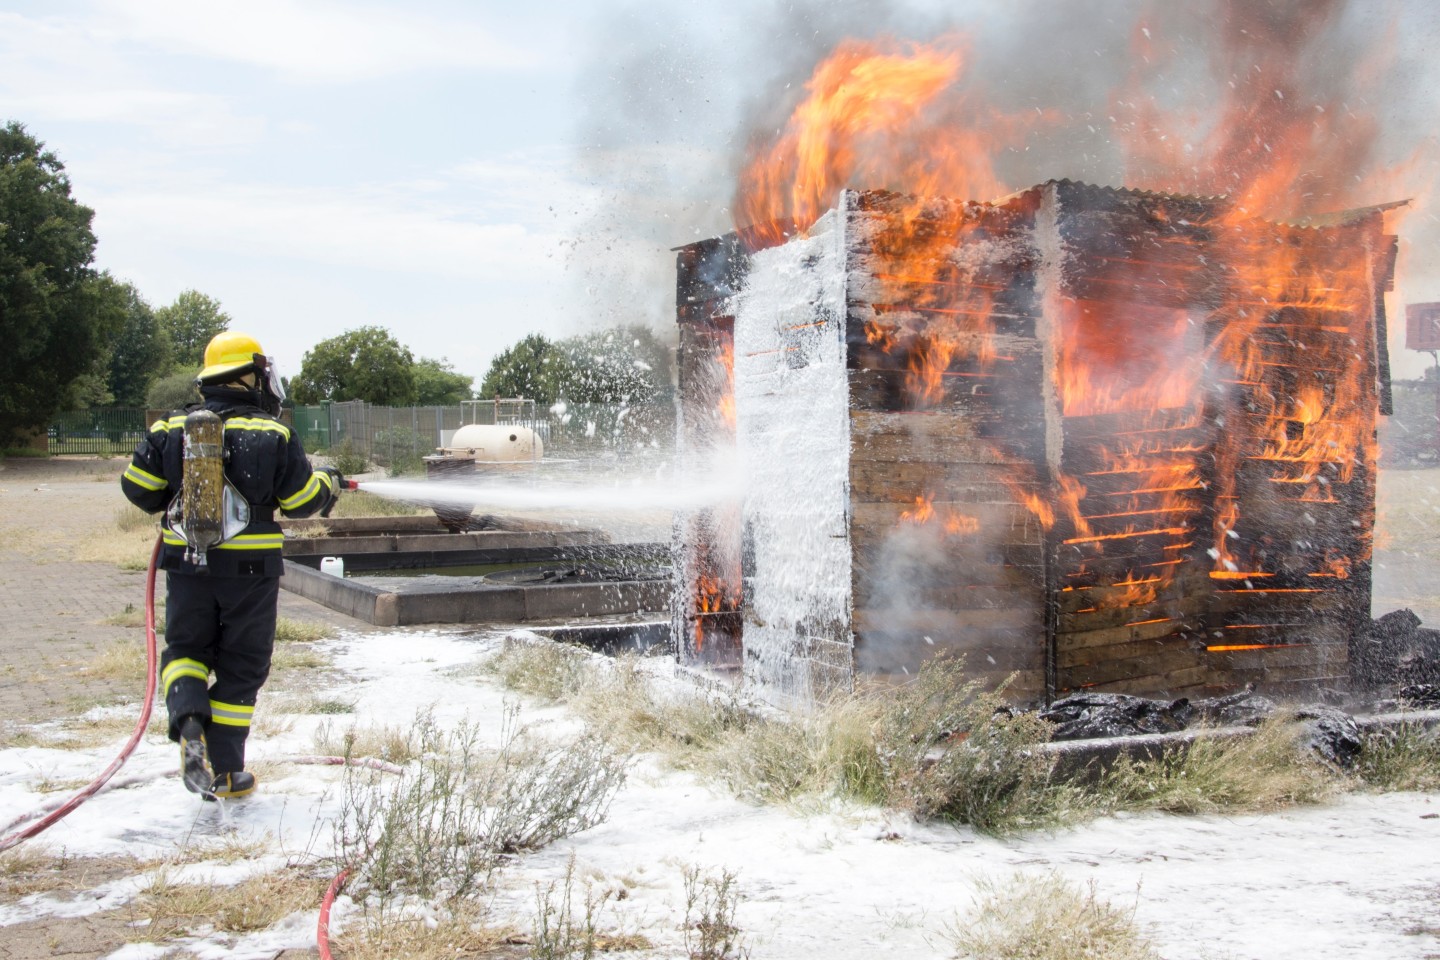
pixel 53 812
pixel 322 933
pixel 322 927
pixel 151 674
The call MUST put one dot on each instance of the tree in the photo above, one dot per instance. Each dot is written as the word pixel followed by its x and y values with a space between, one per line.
pixel 172 391
pixel 55 315
pixel 532 368
pixel 438 385
pixel 365 364
pixel 619 365
pixel 141 352
pixel 190 323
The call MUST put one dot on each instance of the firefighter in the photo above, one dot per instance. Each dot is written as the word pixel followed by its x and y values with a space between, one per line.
pixel 220 600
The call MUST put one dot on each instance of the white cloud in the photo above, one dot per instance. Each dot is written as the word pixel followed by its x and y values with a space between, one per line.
pixel 190 120
pixel 344 228
pixel 55 70
pixel 325 40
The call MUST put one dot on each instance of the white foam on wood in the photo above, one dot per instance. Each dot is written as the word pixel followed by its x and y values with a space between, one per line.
pixel 793 437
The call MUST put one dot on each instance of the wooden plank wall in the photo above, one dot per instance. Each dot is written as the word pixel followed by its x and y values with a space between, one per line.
pixel 1207 629
pixel 1130 564
pixel 705 543
pixel 968 450
pixel 1089 599
pixel 1317 336
pixel 961 289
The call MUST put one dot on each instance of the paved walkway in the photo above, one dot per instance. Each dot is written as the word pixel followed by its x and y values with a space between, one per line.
pixel 53 612
pixel 53 607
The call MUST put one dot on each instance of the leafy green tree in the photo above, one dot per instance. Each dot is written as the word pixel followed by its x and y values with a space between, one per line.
pixel 172 391
pixel 141 352
pixel 364 364
pixel 438 385
pixel 190 323
pixel 619 365
pixel 55 315
pixel 533 368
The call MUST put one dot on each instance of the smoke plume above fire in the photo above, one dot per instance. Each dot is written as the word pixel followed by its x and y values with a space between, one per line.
pixel 1290 107
pixel 1275 128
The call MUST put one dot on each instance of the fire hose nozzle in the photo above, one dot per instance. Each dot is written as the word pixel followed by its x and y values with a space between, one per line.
pixel 350 485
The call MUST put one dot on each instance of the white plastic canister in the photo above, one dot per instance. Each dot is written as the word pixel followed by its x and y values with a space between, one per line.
pixel 334 566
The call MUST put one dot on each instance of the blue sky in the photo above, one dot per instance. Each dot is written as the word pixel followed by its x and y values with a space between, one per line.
pixel 317 166
pixel 464 173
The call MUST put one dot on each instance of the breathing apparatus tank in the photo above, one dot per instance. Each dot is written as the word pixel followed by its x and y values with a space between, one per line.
pixel 209 510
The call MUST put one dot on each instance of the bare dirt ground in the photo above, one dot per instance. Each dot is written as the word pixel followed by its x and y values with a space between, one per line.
pixel 67 614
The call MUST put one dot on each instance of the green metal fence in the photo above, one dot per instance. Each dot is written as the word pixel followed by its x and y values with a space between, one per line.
pixel 391 436
pixel 103 431
pixel 396 437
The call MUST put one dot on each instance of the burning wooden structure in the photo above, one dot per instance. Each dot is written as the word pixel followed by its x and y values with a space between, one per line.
pixel 1097 438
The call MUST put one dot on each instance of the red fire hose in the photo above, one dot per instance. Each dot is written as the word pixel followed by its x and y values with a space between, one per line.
pixel 85 794
pixel 322 928
pixel 322 933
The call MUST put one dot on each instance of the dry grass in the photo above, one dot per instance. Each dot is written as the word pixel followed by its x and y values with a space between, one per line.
pixel 233 847
pixel 942 748
pixel 127 543
pixel 14 736
pixel 134 616
pixel 301 702
pixel 562 933
pixel 711 901
pixel 551 671
pixel 939 745
pixel 1404 758
pixel 289 630
pixel 460 930
pixel 1267 770
pixel 1047 918
pixel 166 909
pixel 81 732
pixel 120 660
pixel 33 868
pixel 441 829
pixel 271 723
pixel 358 503
pixel 131 518
pixel 394 744
pixel 297 656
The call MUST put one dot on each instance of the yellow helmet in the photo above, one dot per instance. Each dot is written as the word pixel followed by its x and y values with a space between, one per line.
pixel 229 352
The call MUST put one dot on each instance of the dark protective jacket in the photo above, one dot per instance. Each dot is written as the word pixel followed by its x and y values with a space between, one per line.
pixel 263 459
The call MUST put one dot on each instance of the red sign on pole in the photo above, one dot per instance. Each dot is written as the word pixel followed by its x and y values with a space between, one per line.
pixel 1422 326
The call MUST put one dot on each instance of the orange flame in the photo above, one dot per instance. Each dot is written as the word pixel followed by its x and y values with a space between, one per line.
pixel 953 522
pixel 726 404
pixel 870 118
pixel 1278 350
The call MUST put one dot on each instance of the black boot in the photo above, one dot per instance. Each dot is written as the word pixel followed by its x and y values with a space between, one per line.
pixel 194 766
pixel 227 786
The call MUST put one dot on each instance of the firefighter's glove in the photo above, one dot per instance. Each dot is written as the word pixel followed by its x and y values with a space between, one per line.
pixel 337 483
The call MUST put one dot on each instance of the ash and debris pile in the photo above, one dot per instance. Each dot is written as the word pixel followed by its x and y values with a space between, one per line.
pixel 1396 654
pixel 1330 732
pixel 1396 649
pixel 1090 715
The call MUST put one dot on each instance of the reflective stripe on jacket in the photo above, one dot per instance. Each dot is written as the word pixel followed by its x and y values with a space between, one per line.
pixel 264 461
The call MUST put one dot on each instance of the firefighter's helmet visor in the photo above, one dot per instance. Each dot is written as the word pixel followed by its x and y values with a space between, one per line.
pixel 272 380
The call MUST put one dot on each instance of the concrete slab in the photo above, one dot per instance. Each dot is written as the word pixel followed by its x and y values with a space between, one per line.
pixel 404 601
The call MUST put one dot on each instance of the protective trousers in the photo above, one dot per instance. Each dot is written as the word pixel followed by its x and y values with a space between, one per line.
pixel 224 626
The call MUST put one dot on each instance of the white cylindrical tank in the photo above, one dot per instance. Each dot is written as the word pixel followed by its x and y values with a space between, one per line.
pixel 496 443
